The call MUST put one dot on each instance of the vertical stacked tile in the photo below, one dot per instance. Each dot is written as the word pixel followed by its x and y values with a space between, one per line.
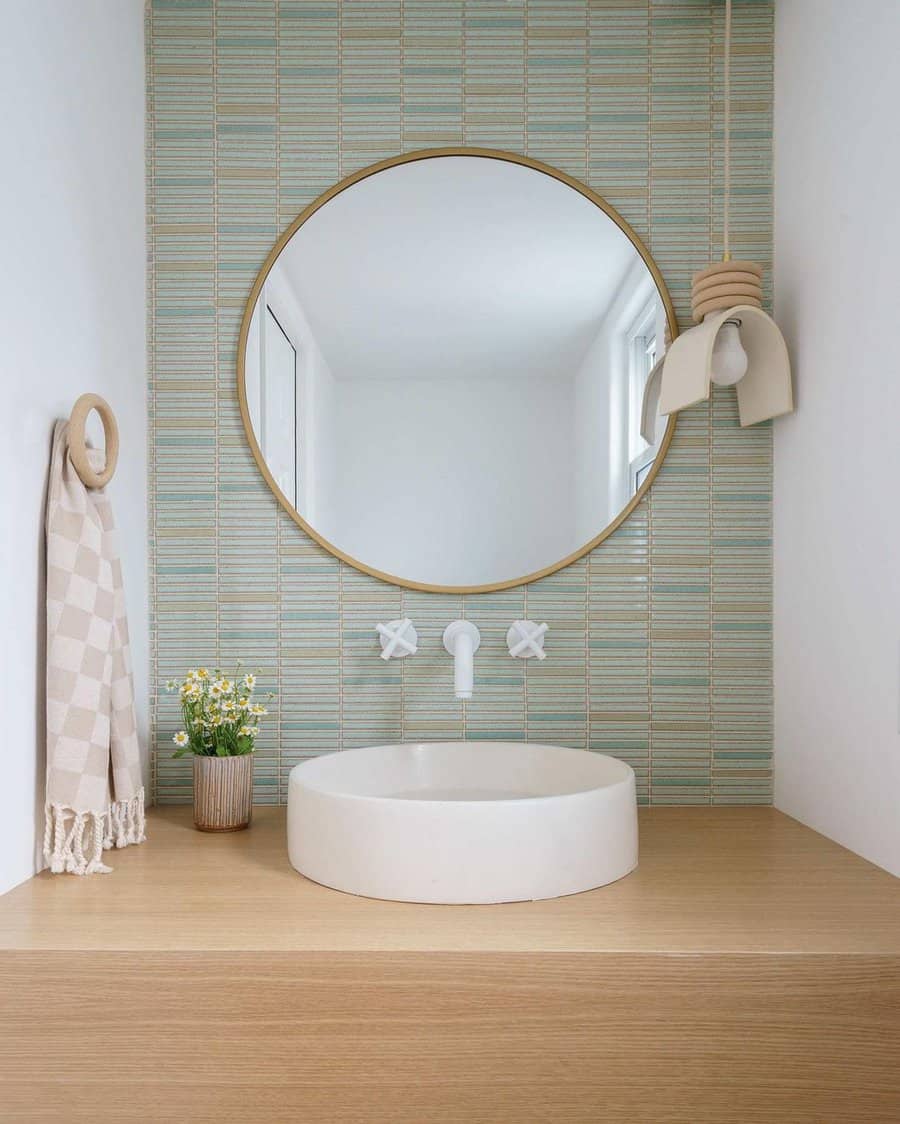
pixel 309 109
pixel 370 129
pixel 660 643
pixel 556 693
pixel 618 121
pixel 430 710
pixel 742 458
pixel 371 688
pixel 680 647
pixel 246 216
pixel 556 83
pixel 741 608
pixel 497 710
pixel 371 32
pixel 183 467
pixel 680 152
pixel 556 690
pixel 310 650
pixel 431 74
pixel 618 138
pixel 494 81
pixel 619 645
pixel 309 114
pixel 752 66
pixel 680 500
pixel 150 313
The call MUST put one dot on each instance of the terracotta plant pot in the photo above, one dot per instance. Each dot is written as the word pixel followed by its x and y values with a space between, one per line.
pixel 223 793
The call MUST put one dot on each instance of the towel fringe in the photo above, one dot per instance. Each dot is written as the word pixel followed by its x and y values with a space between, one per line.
pixel 74 841
pixel 126 822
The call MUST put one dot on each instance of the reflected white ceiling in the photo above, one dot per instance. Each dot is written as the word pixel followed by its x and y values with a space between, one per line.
pixel 456 266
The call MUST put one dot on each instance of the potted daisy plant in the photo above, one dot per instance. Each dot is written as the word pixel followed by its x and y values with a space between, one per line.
pixel 221 725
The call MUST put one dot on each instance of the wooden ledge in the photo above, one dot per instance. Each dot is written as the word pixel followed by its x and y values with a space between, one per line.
pixel 749 971
pixel 710 880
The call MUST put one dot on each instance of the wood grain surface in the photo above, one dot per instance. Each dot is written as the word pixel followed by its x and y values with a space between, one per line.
pixel 709 880
pixel 449 1038
pixel 748 972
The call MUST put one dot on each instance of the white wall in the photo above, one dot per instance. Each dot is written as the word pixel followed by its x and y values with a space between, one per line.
pixel 495 441
pixel 837 459
pixel 71 320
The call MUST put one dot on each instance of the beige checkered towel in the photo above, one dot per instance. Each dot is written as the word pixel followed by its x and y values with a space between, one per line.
pixel 95 799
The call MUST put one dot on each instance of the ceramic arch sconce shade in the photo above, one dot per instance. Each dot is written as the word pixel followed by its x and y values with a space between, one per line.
pixel 763 392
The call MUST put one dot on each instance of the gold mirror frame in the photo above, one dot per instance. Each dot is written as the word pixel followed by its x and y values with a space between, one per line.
pixel 307 213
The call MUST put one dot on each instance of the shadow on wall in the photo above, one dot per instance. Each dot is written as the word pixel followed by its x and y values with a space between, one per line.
pixel 40 673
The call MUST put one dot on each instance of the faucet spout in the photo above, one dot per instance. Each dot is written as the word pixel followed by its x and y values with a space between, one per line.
pixel 462 639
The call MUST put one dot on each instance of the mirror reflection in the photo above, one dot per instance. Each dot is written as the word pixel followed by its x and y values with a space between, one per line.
pixel 445 367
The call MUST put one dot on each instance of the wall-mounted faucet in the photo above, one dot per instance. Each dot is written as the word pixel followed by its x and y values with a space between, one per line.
pixel 462 639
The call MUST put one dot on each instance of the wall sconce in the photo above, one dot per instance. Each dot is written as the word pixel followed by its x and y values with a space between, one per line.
pixel 734 342
pixel 733 345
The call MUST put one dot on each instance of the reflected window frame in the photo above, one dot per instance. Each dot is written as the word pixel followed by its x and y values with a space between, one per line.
pixel 642 342
pixel 267 322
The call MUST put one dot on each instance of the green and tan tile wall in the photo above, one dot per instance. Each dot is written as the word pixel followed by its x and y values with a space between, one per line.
pixel 660 642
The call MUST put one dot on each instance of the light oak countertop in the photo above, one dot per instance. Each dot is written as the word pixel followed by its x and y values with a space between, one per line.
pixel 710 880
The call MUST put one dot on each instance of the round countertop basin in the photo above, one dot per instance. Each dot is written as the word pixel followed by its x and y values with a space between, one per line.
pixel 463 822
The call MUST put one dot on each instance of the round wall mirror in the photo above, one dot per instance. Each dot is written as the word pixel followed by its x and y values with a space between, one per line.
pixel 441 369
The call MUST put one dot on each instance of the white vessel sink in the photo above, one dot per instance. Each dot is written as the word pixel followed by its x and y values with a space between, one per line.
pixel 463 822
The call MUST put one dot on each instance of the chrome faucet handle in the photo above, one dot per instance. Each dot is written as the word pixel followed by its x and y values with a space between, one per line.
pixel 398 639
pixel 525 640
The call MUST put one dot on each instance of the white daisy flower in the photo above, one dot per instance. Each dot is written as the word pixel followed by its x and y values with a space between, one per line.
pixel 180 739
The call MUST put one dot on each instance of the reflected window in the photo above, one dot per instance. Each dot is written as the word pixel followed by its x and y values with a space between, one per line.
pixel 642 356
pixel 279 407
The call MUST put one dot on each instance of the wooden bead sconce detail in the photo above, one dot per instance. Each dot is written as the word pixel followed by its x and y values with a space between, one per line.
pixel 725 285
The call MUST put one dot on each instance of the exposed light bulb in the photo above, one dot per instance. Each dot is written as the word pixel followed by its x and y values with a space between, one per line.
pixel 729 360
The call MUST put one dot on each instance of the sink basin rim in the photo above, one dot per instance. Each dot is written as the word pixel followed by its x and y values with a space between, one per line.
pixel 304 773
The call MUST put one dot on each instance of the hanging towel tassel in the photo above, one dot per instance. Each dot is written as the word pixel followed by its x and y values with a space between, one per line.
pixel 74 841
pixel 68 835
pixel 126 821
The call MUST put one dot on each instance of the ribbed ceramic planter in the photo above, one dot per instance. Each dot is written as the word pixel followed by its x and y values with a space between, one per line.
pixel 223 792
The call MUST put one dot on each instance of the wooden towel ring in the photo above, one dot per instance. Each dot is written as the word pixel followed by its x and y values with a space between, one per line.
pixel 78 452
